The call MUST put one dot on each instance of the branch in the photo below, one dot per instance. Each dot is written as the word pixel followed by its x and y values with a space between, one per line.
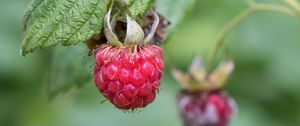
pixel 294 4
pixel 253 7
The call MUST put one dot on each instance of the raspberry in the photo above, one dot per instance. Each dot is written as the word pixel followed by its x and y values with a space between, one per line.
pixel 128 76
pixel 213 108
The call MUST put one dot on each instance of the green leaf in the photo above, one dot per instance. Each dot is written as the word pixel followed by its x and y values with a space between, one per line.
pixel 174 11
pixel 51 22
pixel 139 7
pixel 129 2
pixel 71 66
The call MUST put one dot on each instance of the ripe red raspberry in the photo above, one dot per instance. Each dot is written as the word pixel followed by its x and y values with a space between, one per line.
pixel 128 76
pixel 206 108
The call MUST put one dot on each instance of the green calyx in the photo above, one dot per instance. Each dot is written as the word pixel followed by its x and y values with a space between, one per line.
pixel 134 32
pixel 198 79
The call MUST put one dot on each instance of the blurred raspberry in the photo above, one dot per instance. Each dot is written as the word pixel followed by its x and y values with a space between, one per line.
pixel 213 108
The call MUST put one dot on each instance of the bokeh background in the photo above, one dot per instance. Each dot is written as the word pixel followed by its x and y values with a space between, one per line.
pixel 265 83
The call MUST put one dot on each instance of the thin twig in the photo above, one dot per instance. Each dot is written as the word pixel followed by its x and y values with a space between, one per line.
pixel 275 8
pixel 294 4
pixel 254 7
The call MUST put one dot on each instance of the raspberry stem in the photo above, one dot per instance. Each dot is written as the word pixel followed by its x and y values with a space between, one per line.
pixel 253 7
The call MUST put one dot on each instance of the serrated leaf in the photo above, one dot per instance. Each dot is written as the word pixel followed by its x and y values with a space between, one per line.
pixel 33 6
pixel 174 11
pixel 51 22
pixel 71 66
pixel 139 7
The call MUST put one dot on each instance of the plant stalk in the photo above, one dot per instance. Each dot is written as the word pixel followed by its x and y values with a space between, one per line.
pixel 254 7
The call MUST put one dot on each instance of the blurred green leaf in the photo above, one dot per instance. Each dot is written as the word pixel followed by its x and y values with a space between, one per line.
pixel 174 11
pixel 71 66
pixel 129 2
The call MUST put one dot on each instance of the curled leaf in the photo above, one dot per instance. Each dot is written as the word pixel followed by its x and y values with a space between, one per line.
pixel 134 34
pixel 153 28
pixel 108 31
pixel 198 79
pixel 222 73
pixel 160 34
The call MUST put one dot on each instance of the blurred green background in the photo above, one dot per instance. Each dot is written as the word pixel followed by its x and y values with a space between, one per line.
pixel 265 83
